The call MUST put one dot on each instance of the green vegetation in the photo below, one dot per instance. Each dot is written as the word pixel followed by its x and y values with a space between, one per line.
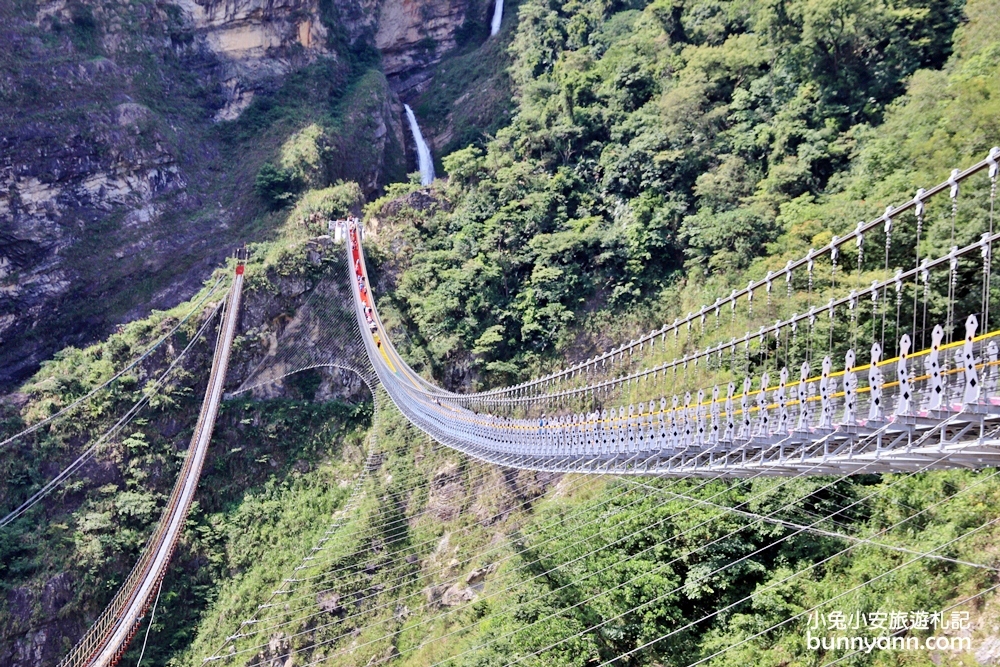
pixel 275 185
pixel 657 571
pixel 662 153
pixel 657 154
pixel 492 571
pixel 276 471
pixel 185 180
pixel 471 97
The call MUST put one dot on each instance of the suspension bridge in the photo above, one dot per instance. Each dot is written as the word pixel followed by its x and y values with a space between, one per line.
pixel 861 356
pixel 615 412
pixel 110 635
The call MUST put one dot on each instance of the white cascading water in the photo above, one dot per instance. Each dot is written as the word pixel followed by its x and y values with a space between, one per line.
pixel 424 160
pixel 497 17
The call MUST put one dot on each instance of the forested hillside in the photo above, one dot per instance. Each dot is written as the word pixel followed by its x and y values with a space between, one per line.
pixel 609 167
pixel 662 154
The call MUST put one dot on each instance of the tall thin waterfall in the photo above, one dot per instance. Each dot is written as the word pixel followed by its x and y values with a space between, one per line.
pixel 497 16
pixel 424 160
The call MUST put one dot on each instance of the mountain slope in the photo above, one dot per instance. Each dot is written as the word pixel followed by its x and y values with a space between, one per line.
pixel 133 134
pixel 657 154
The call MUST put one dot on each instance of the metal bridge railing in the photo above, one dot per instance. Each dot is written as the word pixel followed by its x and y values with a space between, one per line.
pixel 799 424
pixel 830 251
pixel 107 639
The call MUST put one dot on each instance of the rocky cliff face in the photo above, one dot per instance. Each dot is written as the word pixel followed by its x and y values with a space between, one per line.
pixel 116 193
pixel 254 41
pixel 413 35
pixel 119 192
pixel 78 158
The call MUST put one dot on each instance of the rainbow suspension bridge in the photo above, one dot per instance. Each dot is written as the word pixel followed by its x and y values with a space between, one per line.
pixel 861 356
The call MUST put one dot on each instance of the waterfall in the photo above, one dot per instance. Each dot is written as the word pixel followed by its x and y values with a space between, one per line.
pixel 497 15
pixel 424 160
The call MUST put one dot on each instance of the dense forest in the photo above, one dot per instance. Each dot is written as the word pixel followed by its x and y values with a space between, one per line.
pixel 681 146
pixel 651 156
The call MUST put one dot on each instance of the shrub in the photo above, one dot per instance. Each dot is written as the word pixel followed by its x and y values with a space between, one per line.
pixel 276 186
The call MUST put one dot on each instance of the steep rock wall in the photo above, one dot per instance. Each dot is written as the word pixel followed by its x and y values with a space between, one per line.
pixel 413 35
pixel 255 40
pixel 118 192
